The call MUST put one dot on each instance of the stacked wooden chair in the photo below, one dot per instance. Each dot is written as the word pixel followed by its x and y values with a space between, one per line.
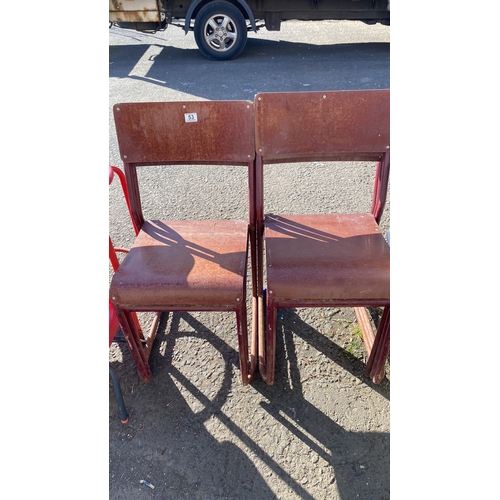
pixel 313 260
pixel 186 265
pixel 323 260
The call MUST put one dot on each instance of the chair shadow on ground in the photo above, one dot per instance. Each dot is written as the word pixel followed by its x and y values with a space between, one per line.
pixel 289 322
pixel 352 454
pixel 191 456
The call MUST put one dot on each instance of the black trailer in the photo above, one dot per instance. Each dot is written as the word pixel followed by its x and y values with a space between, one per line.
pixel 221 26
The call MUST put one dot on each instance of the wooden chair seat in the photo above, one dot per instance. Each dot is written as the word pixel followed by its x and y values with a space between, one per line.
pixel 184 263
pixel 329 258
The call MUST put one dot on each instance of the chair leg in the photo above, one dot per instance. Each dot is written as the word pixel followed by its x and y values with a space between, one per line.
pixel 375 367
pixel 132 336
pixel 119 396
pixel 267 343
pixel 241 320
pixel 248 367
pixel 366 328
pixel 254 347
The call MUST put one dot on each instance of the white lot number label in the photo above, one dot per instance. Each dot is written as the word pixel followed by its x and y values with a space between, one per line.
pixel 190 117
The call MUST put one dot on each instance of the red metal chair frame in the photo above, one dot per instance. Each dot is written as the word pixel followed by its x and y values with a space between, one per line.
pixel 113 320
pixel 113 328
pixel 210 271
pixel 323 126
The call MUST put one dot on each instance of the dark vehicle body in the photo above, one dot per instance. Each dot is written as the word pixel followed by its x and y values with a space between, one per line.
pixel 220 26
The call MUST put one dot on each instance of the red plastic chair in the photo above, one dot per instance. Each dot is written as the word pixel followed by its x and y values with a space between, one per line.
pixel 323 260
pixel 179 265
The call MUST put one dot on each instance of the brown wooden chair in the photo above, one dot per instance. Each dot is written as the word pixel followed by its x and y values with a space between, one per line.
pixel 323 260
pixel 185 265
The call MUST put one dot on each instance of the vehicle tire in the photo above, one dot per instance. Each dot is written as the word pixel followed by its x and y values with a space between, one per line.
pixel 220 31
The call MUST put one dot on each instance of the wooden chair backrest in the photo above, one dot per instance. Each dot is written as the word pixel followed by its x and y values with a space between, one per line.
pixel 197 132
pixel 182 133
pixel 334 125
